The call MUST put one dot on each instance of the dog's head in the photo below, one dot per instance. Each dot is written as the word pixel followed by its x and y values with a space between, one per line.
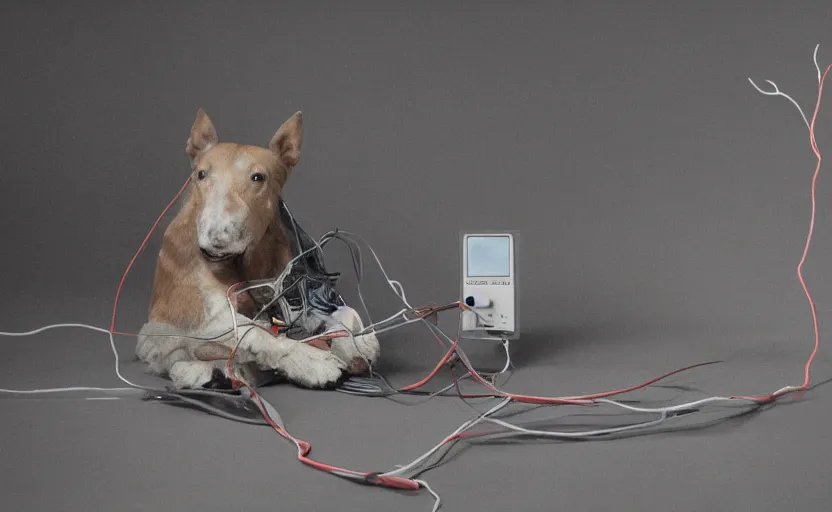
pixel 237 187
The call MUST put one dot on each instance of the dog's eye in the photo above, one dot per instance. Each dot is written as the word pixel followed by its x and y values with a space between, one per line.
pixel 258 176
pixel 200 175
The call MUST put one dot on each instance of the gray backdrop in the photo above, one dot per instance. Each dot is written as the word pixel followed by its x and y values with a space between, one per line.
pixel 663 205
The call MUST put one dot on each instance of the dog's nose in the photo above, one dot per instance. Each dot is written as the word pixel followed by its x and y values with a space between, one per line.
pixel 219 238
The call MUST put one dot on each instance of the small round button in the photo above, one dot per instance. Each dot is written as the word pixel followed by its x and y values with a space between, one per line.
pixel 470 301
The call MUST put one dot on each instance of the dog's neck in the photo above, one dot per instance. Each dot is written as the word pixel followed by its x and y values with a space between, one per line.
pixel 264 260
pixel 269 256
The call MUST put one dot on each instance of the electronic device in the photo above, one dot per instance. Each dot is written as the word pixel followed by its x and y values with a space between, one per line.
pixel 489 285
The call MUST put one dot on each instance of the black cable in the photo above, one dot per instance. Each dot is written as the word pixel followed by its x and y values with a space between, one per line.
pixel 177 398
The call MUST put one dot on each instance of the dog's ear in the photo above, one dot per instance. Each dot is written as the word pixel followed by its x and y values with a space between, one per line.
pixel 203 136
pixel 288 139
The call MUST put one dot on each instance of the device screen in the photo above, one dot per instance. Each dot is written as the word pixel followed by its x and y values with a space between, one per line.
pixel 489 256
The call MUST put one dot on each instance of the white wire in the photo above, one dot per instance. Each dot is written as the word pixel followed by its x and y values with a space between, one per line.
pixel 508 358
pixel 237 338
pixel 392 283
pixel 663 411
pixel 60 390
pixel 669 409
pixel 574 435
pixel 815 59
pixel 400 287
pixel 438 503
pixel 74 388
pixel 777 92
pixel 676 408
pixel 465 426
pixel 374 327
pixel 399 290
pixel 395 326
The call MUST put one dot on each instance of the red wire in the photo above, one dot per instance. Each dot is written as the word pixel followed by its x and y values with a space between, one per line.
pixel 766 398
pixel 816 151
pixel 433 373
pixel 575 400
pixel 404 483
pixel 139 251
pixel 582 399
pixel 305 447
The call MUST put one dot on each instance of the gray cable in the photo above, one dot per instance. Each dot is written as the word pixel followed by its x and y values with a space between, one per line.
pixel 210 409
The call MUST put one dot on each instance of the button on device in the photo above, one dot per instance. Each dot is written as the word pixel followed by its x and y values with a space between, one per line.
pixel 474 301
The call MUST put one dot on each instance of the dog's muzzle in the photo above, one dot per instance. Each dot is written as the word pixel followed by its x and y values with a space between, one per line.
pixel 216 257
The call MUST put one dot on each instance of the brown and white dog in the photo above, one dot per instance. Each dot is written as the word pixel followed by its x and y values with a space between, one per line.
pixel 228 231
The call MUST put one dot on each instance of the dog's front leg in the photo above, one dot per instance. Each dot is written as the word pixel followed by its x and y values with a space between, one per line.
pixel 193 359
pixel 301 364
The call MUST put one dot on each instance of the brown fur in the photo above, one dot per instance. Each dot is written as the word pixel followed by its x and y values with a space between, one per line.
pixel 229 231
pixel 177 297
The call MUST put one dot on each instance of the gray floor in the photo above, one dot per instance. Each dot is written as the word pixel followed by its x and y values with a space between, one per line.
pixel 73 454
pixel 663 206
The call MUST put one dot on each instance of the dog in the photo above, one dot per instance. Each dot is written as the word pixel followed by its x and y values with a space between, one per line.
pixel 228 231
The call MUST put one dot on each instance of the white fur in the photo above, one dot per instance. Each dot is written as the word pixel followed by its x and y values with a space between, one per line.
pixel 242 162
pixel 221 225
pixel 193 374
pixel 174 353
pixel 351 348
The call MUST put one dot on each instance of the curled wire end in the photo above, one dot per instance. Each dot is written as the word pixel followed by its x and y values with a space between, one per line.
pixel 815 59
pixel 767 93
pixel 777 92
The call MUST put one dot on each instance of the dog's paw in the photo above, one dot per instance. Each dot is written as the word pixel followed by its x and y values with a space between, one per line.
pixel 196 374
pixel 148 349
pixel 347 317
pixel 312 368
pixel 160 347
pixel 359 352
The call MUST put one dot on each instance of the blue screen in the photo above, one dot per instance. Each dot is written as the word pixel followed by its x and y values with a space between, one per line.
pixel 489 256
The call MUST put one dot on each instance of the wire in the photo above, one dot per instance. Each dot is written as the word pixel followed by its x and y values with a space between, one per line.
pixel 438 501
pixel 777 92
pixel 394 479
pixel 141 249
pixel 816 151
pixel 181 399
pixel 799 272
pixel 390 282
pixel 470 423
pixel 75 388
pixel 598 397
pixel 815 60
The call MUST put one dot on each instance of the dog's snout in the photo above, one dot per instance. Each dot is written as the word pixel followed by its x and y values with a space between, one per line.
pixel 219 238
pixel 221 233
